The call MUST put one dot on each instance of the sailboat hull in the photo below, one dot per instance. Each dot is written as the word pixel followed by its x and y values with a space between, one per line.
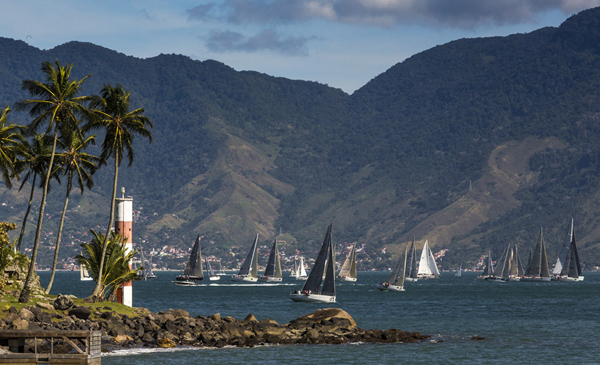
pixel 187 283
pixel 240 278
pixel 534 278
pixel 428 276
pixel 345 278
pixel 390 287
pixel 411 279
pixel 312 298
pixel 214 278
pixel 270 279
pixel 567 278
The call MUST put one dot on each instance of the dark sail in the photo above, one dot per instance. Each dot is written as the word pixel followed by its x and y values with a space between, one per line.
pixel 194 265
pixel 411 263
pixel 313 282
pixel 250 258
pixel 535 265
pixel 270 270
pixel 329 283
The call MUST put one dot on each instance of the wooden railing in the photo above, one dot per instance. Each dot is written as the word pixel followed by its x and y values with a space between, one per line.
pixel 37 347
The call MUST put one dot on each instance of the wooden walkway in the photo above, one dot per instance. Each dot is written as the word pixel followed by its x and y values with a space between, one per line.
pixel 38 347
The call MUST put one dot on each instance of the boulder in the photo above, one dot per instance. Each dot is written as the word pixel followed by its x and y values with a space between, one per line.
pixel 26 314
pixel 326 314
pixel 44 305
pixel 166 343
pixel 250 319
pixel 62 302
pixel 80 312
pixel 216 317
pixel 20 324
pixel 177 313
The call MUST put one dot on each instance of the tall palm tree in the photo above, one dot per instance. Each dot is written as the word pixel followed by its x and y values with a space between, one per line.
pixel 10 137
pixel 120 126
pixel 75 162
pixel 56 105
pixel 115 269
pixel 32 161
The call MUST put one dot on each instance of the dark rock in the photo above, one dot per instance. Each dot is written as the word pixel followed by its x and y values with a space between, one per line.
pixel 62 302
pixel 477 338
pixel 80 312
pixel 12 309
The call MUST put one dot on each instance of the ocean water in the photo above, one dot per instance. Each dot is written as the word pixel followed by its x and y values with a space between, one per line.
pixel 525 323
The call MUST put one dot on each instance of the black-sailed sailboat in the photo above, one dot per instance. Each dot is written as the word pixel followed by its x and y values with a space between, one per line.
pixel 249 269
pixel 192 274
pixel 273 270
pixel 316 288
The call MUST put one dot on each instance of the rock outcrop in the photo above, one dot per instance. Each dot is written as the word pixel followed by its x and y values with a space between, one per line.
pixel 177 328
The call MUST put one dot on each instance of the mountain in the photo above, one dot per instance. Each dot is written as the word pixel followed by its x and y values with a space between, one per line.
pixel 471 144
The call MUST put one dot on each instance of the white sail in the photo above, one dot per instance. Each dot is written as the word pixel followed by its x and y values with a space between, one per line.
pixel 427 266
pixel 562 254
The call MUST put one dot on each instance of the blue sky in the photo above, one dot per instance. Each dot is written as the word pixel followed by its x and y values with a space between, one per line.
pixel 341 43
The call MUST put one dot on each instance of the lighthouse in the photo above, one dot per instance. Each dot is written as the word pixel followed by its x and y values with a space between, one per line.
pixel 123 223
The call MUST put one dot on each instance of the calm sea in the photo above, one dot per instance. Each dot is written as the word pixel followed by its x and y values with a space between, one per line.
pixel 524 323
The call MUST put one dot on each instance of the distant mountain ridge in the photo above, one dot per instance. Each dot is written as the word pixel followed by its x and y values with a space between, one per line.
pixel 240 153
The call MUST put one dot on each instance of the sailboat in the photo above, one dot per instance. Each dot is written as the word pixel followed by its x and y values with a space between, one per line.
pixel 411 271
pixel 395 282
pixel 515 270
pixel 427 267
pixel 500 272
pixel 571 267
pixel 249 269
pixel 192 273
pixel 273 269
pixel 459 271
pixel 84 274
pixel 488 269
pixel 313 291
pixel 348 270
pixel 537 270
pixel 209 270
pixel 301 270
pixel 221 272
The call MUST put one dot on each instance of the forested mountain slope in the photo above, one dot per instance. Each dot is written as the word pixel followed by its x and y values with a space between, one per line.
pixel 471 144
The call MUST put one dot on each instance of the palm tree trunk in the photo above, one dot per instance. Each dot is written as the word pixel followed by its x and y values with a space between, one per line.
pixel 24 296
pixel 26 213
pixel 99 288
pixel 60 228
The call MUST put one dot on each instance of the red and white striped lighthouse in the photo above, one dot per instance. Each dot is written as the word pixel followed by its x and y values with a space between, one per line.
pixel 123 224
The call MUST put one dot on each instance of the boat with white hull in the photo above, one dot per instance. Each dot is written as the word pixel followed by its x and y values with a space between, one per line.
pixel 537 269
pixel 427 266
pixel 348 270
pixel 273 273
pixel 395 282
pixel 316 287
pixel 249 270
pixel 411 272
pixel 571 267
pixel 193 273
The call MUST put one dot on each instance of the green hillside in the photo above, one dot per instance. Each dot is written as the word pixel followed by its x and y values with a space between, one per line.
pixel 471 145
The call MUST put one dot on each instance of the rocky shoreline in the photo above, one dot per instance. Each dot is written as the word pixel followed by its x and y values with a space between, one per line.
pixel 175 327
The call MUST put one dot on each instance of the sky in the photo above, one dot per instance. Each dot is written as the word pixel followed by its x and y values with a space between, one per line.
pixel 341 43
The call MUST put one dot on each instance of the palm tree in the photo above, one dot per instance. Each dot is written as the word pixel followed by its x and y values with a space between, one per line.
pixel 115 270
pixel 58 106
pixel 10 137
pixel 75 163
pixel 33 160
pixel 120 126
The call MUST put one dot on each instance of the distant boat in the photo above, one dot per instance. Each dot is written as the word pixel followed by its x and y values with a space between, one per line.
pixel 221 272
pixel 459 271
pixel 313 291
pixel 537 269
pixel 348 270
pixel 249 269
pixel 395 282
pixel 427 267
pixel 192 273
pixel 411 272
pixel 84 274
pixel 515 270
pixel 488 269
pixel 571 267
pixel 209 270
pixel 146 272
pixel 500 272
pixel 273 270
pixel 299 269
